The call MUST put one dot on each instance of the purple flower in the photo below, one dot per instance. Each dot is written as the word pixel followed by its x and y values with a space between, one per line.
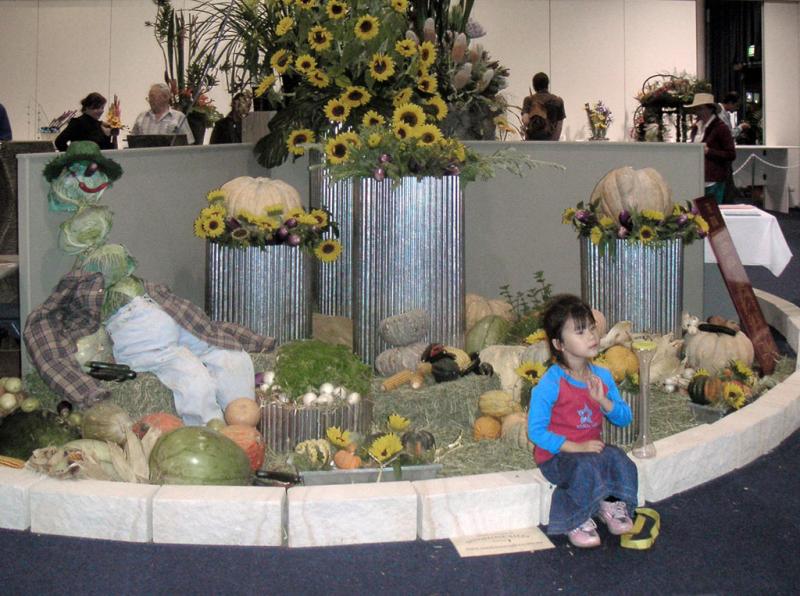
pixel 282 233
pixel 695 210
pixel 582 215
pixel 682 219
pixel 379 174
pixel 622 232
pixel 625 218
pixel 293 240
pixel 291 222
pixel 385 158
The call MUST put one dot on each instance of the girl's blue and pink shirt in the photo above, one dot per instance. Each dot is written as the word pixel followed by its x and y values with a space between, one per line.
pixel 561 409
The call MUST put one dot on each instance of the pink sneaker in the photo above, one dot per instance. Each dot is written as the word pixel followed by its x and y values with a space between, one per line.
pixel 585 535
pixel 615 516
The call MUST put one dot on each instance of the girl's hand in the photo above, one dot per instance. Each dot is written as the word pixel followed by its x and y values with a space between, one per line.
pixel 595 388
pixel 593 446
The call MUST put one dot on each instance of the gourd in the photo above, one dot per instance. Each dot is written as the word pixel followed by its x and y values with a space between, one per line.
pixel 418 442
pixel 713 351
pixel 406 328
pixel 106 422
pixel 489 331
pixel 621 361
pixel 162 421
pixel 478 307
pixel 243 411
pixel 515 430
pixel 486 427
pixel 249 440
pixel 394 360
pixel 704 389
pixel 313 454
pixel 256 195
pixel 346 460
pixel 632 190
pixel 497 404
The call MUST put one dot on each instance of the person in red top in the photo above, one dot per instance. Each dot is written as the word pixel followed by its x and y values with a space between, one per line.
pixel 565 421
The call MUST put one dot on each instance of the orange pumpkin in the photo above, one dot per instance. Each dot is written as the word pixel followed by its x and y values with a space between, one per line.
pixel 243 411
pixel 250 441
pixel 161 420
pixel 346 460
pixel 486 427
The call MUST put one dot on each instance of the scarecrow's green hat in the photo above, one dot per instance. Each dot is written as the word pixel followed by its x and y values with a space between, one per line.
pixel 82 151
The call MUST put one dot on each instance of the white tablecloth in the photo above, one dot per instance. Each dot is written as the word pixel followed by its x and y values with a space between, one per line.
pixel 757 237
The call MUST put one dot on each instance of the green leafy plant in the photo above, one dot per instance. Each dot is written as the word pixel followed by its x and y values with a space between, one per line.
pixel 526 307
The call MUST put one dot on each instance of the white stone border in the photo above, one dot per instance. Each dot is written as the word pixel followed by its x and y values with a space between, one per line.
pixel 397 511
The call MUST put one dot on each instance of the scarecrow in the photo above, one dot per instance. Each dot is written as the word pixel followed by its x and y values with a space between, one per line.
pixel 204 363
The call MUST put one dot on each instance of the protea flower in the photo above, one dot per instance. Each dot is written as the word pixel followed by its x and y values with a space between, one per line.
pixel 459 48
pixel 463 76
pixel 487 77
pixel 429 30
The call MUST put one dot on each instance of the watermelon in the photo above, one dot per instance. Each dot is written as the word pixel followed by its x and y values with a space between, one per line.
pixel 489 331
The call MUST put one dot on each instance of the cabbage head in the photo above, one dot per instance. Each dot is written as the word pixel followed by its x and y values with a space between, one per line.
pixel 65 193
pixel 120 294
pixel 85 230
pixel 112 260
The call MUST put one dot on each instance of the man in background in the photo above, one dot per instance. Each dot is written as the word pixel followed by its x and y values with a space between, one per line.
pixel 160 119
pixel 542 112
pixel 729 115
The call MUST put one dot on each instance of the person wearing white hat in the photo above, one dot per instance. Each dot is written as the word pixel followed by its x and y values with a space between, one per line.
pixel 719 149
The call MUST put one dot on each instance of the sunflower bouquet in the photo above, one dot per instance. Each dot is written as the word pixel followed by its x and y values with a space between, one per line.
pixel 646 226
pixel 295 227
pixel 736 385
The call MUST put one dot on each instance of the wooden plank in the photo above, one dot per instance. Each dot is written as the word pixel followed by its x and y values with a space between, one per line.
pixel 739 287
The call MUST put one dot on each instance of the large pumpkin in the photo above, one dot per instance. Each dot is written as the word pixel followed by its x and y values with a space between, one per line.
pixel 621 361
pixel 489 331
pixel 250 440
pixel 256 195
pixel 479 307
pixel 713 351
pixel 632 190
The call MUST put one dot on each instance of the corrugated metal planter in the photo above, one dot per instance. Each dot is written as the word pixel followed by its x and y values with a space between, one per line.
pixel 626 435
pixel 638 283
pixel 284 425
pixel 408 253
pixel 333 282
pixel 267 290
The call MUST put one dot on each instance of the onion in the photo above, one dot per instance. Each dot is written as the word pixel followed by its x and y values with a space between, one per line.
pixel 106 422
pixel 13 385
pixel 8 401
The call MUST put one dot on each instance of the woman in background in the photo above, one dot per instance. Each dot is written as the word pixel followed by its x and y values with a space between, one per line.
pixel 87 126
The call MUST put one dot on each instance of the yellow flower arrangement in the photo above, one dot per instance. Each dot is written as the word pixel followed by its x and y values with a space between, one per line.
pixel 385 447
pixel 532 372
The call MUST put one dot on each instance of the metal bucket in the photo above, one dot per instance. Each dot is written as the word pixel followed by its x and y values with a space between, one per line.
pixel 639 283
pixel 284 425
pixel 626 435
pixel 267 290
pixel 333 282
pixel 408 253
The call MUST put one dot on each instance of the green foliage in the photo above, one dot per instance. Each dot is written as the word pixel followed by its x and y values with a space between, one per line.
pixel 304 365
pixel 23 432
pixel 526 307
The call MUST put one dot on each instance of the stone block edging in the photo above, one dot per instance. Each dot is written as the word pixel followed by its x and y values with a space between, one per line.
pixel 428 509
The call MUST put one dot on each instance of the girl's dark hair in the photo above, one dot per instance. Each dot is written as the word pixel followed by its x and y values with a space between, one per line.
pixel 555 315
pixel 92 101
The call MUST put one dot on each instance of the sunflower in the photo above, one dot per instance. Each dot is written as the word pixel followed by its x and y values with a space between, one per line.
pixel 320 216
pixel 459 151
pixel 381 67
pixel 373 118
pixel 240 234
pixel 596 235
pixel 531 371
pixel 427 53
pixel 351 138
pixel 307 219
pixel 280 61
pixel 306 4
pixel 274 209
pixel 264 86
pixel 385 447
pixel 199 231
pixel 439 106
pixel 410 113
pixel 374 139
pixel 319 38
pixel 296 213
pixel 402 96
pixel 366 27
pixel 406 48
pixel 213 226
pixel 536 337
pixel 427 84
pixel 284 26
pixel 338 437
pixel 337 151
pixel 297 137
pixel 336 9
pixel 355 96
pixel 653 214
pixel 328 251
pixel 568 214
pixel 646 234
pixel 319 79
pixel 400 6
pixel 396 422
pixel 213 211
pixel 402 131
pixel 428 134
pixel 701 372
pixel 744 371
pixel 305 64
pixel 733 395
pixel 336 111
pixel 268 224
pixel 215 195
pixel 677 209
pixel 606 221
pixel 701 223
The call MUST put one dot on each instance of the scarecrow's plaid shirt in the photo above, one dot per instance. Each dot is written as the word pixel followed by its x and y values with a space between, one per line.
pixel 72 311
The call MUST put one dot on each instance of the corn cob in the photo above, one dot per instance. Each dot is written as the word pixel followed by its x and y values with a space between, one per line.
pixel 11 462
pixel 397 379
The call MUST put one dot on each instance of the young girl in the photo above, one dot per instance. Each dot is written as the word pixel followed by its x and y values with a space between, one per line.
pixel 565 423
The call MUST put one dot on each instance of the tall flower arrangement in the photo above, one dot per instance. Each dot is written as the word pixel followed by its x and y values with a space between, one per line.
pixel 600 118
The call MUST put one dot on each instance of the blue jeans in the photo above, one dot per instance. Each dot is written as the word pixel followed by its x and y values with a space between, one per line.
pixel 583 481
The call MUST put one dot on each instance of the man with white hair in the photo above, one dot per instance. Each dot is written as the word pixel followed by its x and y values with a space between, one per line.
pixel 160 119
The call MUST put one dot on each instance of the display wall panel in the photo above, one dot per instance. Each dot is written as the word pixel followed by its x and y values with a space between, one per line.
pixel 781 74
pixel 18 48
pixel 588 59
pixel 660 36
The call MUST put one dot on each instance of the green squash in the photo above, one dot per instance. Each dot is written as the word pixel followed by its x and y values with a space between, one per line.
pixel 489 331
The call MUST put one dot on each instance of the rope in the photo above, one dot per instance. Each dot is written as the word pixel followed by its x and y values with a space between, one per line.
pixel 753 156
